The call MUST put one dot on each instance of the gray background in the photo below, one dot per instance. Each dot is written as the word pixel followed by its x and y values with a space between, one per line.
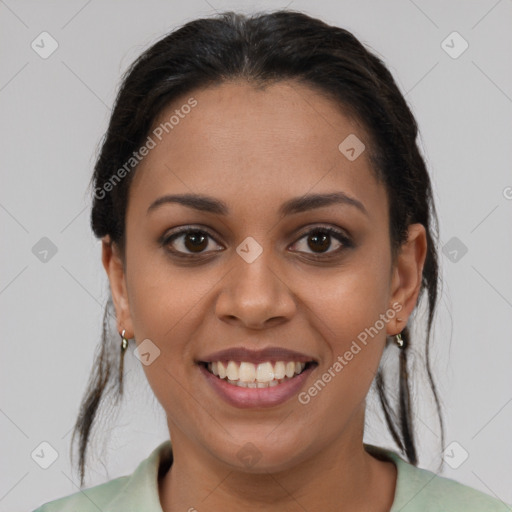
pixel 53 114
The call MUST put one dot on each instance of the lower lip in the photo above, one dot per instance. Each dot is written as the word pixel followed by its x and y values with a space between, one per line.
pixel 256 397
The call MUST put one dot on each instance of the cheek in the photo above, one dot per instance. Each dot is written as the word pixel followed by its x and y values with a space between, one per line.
pixel 160 309
pixel 165 309
pixel 356 294
pixel 349 309
pixel 161 294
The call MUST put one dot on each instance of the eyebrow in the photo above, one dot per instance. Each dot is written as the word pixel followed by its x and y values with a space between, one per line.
pixel 292 206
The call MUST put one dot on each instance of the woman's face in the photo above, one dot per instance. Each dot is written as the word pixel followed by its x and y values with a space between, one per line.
pixel 256 272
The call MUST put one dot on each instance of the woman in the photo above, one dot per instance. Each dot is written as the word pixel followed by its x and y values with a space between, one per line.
pixel 267 229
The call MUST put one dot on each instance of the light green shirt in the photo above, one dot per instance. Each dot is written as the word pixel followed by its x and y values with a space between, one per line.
pixel 416 490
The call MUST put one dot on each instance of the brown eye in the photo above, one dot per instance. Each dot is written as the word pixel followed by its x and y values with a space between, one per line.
pixel 195 241
pixel 188 241
pixel 319 241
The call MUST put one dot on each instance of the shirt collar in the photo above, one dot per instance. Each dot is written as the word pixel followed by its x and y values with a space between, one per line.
pixel 140 490
pixel 410 480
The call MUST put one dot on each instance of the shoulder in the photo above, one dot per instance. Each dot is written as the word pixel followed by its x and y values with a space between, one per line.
pixel 422 490
pixel 138 491
pixel 426 491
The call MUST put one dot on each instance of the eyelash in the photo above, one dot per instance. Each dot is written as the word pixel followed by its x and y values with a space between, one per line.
pixel 338 235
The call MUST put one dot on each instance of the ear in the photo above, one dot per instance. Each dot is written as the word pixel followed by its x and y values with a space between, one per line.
pixel 114 268
pixel 407 276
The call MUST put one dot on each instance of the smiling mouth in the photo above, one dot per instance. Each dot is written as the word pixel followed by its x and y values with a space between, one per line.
pixel 249 375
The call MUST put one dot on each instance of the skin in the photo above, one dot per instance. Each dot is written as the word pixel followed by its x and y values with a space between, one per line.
pixel 254 149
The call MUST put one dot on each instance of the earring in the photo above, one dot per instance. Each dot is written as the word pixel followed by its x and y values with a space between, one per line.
pixel 124 341
pixel 124 346
pixel 398 337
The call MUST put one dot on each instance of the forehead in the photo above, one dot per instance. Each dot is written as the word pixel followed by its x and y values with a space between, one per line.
pixel 255 143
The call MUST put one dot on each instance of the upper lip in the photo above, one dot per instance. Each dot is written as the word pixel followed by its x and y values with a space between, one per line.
pixel 272 354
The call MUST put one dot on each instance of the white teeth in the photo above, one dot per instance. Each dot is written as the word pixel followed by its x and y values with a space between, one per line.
pixel 247 372
pixel 249 375
pixel 232 371
pixel 264 372
pixel 279 370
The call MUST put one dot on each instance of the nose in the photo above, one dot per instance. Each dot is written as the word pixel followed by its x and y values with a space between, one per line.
pixel 255 295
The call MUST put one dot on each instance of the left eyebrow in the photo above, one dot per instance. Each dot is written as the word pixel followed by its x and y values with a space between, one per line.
pixel 292 206
pixel 311 201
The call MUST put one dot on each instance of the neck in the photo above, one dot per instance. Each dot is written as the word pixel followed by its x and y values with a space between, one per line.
pixel 342 476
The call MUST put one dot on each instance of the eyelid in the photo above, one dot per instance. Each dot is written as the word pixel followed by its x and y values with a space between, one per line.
pixel 342 233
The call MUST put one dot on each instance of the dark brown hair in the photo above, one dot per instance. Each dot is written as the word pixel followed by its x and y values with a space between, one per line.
pixel 262 49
